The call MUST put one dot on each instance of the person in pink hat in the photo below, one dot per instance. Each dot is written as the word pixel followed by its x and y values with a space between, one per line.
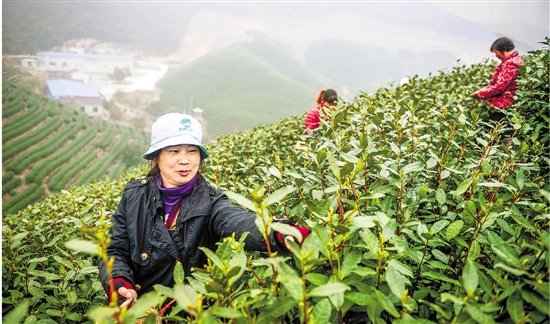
pixel 167 216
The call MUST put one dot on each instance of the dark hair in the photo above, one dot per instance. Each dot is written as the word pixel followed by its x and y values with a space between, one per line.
pixel 329 96
pixel 154 170
pixel 502 44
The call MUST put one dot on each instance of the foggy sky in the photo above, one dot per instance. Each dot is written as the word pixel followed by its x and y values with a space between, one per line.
pixel 524 21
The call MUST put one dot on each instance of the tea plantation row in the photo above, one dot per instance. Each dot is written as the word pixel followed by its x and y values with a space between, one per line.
pixel 421 211
pixel 45 142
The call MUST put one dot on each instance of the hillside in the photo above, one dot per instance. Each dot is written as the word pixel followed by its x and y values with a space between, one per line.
pixel 421 212
pixel 242 86
pixel 47 147
pixel 12 72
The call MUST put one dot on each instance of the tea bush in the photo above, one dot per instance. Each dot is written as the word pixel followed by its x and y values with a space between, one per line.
pixel 12 108
pixel 33 137
pixel 23 122
pixel 9 185
pixel 50 145
pixel 421 210
pixel 60 179
pixel 62 156
pixel 59 286
pixel 533 98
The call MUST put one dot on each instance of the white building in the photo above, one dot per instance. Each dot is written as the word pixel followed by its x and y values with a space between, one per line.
pixel 29 63
pixel 59 63
pixel 197 113
pixel 80 76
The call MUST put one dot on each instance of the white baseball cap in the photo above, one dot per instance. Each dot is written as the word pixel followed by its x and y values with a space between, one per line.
pixel 175 129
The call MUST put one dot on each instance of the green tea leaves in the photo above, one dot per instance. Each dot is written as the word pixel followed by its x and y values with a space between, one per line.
pixel 453 229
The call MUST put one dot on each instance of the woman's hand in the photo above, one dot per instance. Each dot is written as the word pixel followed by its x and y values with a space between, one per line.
pixel 129 295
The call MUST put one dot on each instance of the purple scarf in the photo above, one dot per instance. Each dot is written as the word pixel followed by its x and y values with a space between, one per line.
pixel 172 196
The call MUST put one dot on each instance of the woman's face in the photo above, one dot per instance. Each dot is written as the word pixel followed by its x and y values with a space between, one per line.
pixel 178 164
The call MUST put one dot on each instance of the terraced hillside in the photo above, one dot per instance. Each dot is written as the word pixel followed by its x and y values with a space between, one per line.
pixel 47 147
pixel 12 72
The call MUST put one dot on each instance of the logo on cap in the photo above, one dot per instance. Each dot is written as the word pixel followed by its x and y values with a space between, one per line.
pixel 186 125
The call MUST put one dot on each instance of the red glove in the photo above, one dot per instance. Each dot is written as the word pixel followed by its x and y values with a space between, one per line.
pixel 303 230
pixel 120 282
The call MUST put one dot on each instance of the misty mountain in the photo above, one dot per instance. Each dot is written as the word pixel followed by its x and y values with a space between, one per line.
pixel 269 56
pixel 366 68
pixel 194 28
pixel 357 46
pixel 242 86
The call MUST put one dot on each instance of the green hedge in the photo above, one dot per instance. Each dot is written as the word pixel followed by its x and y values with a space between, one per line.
pixel 17 121
pixel 12 108
pixel 62 177
pixel 36 118
pixel 61 156
pixel 10 184
pixel 31 194
pixel 7 177
pixel 18 94
pixel 7 86
pixel 44 149
pixel 117 170
pixel 98 169
pixel 106 138
pixel 21 144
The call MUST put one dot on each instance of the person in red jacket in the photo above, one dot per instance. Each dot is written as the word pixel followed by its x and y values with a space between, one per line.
pixel 325 98
pixel 502 88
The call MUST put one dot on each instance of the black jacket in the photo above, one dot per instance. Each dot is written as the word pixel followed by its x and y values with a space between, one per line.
pixel 146 251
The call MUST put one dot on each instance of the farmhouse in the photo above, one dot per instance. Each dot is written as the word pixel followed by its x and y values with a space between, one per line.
pixel 77 94
pixel 58 63
pixel 28 63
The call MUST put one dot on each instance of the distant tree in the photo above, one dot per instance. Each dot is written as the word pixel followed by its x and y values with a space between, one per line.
pixel 35 83
pixel 115 112
pixel 139 123
pixel 129 155
pixel 157 108
pixel 120 74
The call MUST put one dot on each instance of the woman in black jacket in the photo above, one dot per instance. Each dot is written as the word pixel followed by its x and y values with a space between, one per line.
pixel 167 216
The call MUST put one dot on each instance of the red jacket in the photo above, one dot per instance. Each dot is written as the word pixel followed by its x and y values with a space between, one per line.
pixel 502 88
pixel 313 117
